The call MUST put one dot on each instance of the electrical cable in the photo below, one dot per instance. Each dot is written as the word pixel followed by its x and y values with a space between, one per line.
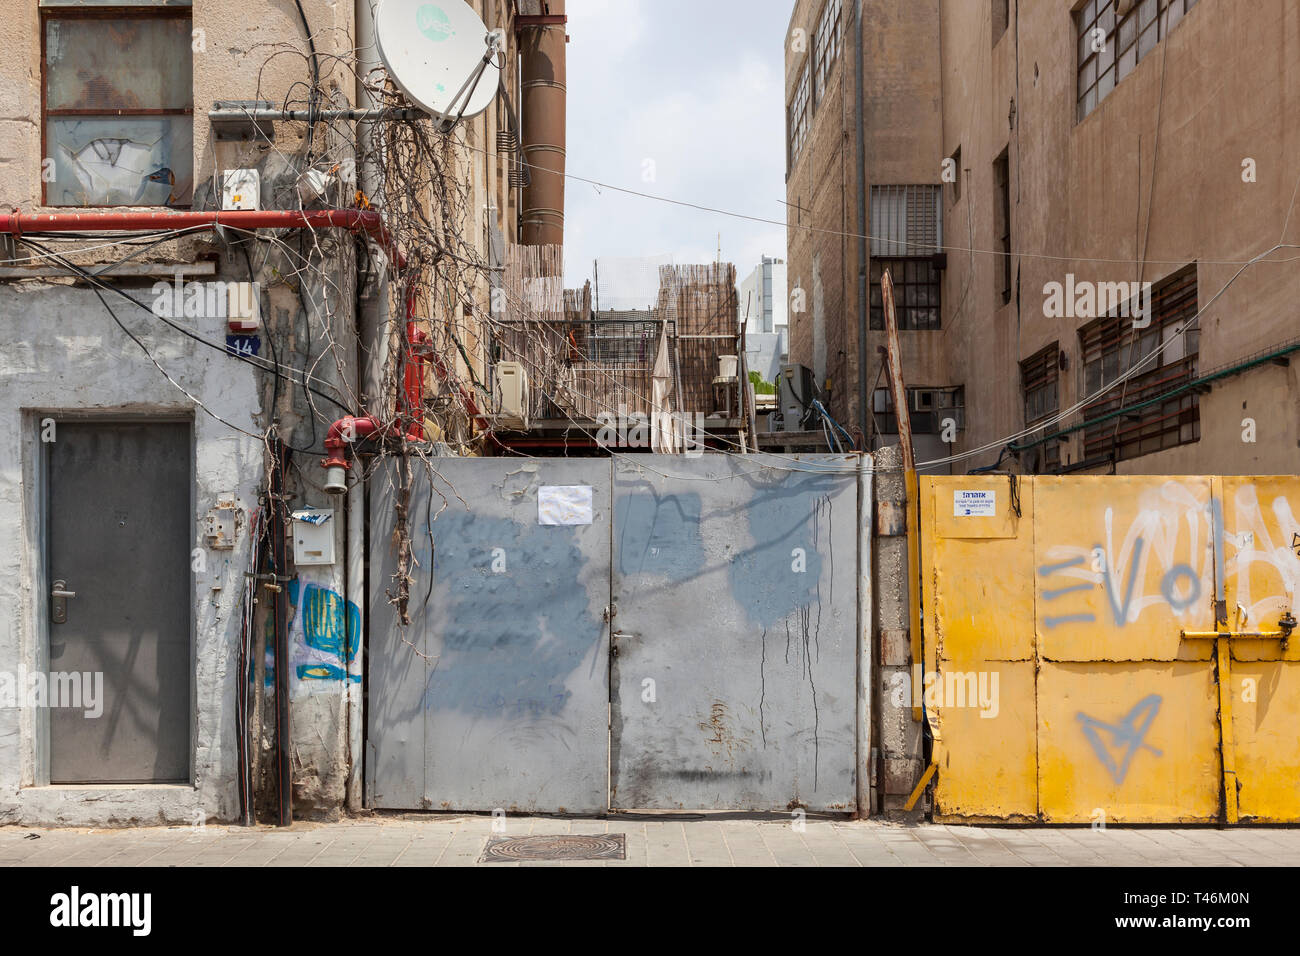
pixel 94 280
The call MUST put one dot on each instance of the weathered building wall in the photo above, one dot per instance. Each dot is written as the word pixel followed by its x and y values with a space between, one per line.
pixel 1110 187
pixel 901 136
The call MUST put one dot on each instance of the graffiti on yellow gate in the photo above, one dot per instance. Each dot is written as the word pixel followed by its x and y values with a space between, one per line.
pixel 1114 608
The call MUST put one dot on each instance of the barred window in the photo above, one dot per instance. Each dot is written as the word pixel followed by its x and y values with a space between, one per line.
pixel 1113 37
pixel 826 46
pixel 930 410
pixel 797 116
pixel 1163 358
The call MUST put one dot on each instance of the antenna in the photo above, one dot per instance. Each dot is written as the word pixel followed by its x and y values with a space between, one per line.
pixel 437 52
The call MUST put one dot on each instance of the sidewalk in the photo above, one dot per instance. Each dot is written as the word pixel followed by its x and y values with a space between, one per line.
pixel 460 841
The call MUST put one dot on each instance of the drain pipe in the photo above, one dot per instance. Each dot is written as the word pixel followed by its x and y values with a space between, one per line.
pixel 542 83
pixel 861 186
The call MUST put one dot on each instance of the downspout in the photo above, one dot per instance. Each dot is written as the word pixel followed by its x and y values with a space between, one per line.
pixel 542 105
pixel 861 187
pixel 372 351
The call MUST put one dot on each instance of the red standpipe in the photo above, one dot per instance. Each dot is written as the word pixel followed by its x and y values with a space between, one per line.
pixel 363 220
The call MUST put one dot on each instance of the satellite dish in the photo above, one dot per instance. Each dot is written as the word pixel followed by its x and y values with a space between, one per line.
pixel 435 51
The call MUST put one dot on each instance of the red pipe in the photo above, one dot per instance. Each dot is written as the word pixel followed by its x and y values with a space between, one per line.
pixel 342 433
pixel 364 220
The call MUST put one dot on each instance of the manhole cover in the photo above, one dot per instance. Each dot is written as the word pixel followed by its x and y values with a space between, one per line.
pixel 595 846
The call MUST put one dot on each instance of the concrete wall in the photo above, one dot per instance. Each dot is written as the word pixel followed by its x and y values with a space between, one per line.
pixel 61 353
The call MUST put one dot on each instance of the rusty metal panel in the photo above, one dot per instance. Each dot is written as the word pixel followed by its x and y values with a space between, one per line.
pixel 1123 565
pixel 736 635
pixel 1128 743
pixel 497 694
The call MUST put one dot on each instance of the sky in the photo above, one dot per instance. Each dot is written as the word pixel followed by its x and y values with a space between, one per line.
pixel 679 99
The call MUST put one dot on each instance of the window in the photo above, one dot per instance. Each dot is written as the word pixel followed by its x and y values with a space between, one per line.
pixel 1001 14
pixel 954 170
pixel 797 116
pixel 916 292
pixel 930 410
pixel 826 47
pixel 905 221
pixel 1162 360
pixel 118 105
pixel 1039 383
pixel 1113 36
pixel 1002 221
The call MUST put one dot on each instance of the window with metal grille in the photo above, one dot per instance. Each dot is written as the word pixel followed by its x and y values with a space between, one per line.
pixel 916 292
pixel 1162 357
pixel 1039 383
pixel 906 221
pixel 118 105
pixel 622 343
pixel 1002 222
pixel 797 116
pixel 930 410
pixel 826 46
pixel 1113 36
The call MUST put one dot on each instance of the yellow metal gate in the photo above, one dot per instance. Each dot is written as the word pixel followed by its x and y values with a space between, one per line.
pixel 1112 649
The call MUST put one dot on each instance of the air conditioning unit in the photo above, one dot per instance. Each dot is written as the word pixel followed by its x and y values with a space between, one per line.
pixel 512 395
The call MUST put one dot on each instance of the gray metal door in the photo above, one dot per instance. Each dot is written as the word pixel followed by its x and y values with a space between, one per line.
pixel 735 635
pixel 497 693
pixel 119 527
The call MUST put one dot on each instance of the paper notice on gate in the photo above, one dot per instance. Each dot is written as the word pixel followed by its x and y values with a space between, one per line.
pixel 975 504
pixel 564 504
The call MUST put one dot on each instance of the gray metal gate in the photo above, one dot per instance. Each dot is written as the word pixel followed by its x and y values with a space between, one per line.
pixel 735 639
pixel 734 609
pixel 497 694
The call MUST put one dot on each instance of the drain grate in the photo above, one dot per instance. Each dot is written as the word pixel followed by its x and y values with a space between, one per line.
pixel 595 846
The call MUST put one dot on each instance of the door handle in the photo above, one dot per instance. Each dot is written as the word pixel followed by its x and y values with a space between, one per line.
pixel 59 604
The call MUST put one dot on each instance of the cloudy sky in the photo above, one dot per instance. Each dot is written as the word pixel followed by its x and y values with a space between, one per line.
pixel 679 99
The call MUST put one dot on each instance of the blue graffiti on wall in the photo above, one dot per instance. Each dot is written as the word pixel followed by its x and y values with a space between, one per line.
pixel 1129 734
pixel 328 625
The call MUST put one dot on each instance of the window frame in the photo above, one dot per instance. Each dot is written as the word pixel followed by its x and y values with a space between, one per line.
pixel 822 62
pixel 797 131
pixel 1038 372
pixel 125 12
pixel 1173 421
pixel 903 312
pixel 1002 195
pixel 1109 64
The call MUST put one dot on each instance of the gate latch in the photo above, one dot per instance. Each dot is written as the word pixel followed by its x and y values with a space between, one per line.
pixel 59 595
pixel 1285 626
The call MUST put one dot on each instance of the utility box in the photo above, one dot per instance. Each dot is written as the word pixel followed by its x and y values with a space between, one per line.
pixel 512 395
pixel 313 536
pixel 795 393
pixel 241 189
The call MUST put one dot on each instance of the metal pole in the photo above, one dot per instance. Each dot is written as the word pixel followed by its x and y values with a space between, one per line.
pixel 861 186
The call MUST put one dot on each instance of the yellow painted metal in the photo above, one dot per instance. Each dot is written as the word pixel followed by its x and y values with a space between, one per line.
pixel 1127 742
pixel 1089 607
pixel 1223 650
pixel 915 637
pixel 1123 565
pixel 920 787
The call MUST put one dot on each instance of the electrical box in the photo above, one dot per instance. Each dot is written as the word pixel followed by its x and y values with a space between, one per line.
pixel 241 189
pixel 313 536
pixel 243 307
pixel 512 395
pixel 795 393
pixel 221 523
